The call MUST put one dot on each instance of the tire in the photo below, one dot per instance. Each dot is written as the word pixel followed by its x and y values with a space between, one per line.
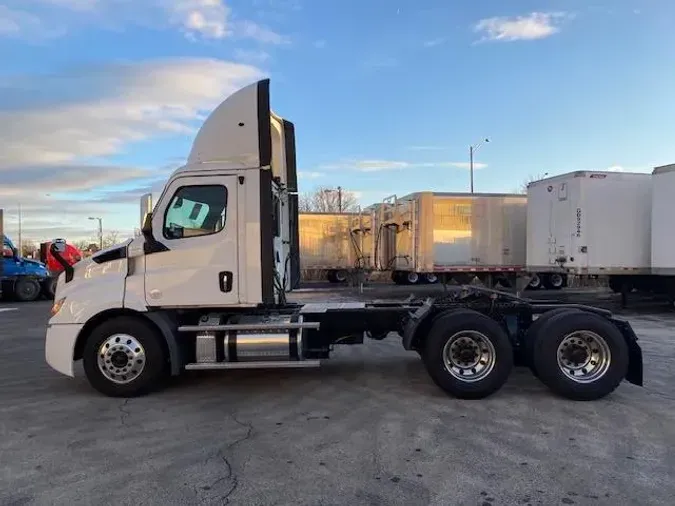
pixel 553 281
pixel 451 328
pixel 340 276
pixel 411 278
pixel 535 282
pixel 534 331
pixel 430 278
pixel 615 284
pixel 27 289
pixel 49 287
pixel 155 359
pixel 600 377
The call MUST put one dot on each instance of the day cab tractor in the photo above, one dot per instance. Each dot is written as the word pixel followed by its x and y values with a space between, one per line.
pixel 205 287
pixel 23 279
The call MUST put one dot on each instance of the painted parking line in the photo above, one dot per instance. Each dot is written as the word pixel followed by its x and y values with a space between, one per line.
pixel 4 309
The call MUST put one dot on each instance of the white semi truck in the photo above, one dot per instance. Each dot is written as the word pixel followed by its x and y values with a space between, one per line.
pixel 204 287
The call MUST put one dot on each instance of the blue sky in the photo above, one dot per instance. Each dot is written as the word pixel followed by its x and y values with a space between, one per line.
pixel 100 99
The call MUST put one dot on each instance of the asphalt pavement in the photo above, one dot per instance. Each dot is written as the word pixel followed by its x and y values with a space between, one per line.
pixel 367 428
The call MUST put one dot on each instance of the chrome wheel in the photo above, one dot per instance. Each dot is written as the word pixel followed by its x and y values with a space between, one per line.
pixel 121 358
pixel 469 356
pixel 413 278
pixel 584 356
pixel 535 282
pixel 431 278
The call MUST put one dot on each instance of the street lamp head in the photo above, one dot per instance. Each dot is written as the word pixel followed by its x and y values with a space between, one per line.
pixel 92 218
pixel 487 140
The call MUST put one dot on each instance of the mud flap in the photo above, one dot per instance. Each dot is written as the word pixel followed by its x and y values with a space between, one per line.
pixel 635 364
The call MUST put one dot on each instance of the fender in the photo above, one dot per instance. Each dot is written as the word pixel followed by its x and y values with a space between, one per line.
pixel 167 325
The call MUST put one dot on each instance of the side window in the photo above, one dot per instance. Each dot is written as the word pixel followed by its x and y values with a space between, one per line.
pixel 195 211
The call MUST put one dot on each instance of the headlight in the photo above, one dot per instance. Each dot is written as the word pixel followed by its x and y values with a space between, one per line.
pixel 57 306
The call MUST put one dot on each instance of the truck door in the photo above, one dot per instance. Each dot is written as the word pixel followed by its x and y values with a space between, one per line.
pixel 196 220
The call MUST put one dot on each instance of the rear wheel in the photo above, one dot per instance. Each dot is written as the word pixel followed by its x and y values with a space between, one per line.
pixel 26 289
pixel 412 278
pixel 340 276
pixel 554 281
pixel 533 333
pixel 467 354
pixel 430 278
pixel 535 282
pixel 49 287
pixel 580 355
pixel 124 357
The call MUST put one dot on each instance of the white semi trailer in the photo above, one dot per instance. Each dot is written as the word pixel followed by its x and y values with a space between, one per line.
pixel 205 287
pixel 596 223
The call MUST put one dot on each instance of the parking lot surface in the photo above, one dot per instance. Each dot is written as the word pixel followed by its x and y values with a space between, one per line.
pixel 367 428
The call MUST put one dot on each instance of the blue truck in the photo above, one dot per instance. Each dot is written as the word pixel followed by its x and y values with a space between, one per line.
pixel 21 278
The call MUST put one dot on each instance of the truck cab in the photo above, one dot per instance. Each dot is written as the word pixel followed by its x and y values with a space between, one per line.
pixel 22 278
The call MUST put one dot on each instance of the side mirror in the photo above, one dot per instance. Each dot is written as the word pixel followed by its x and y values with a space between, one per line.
pixel 146 229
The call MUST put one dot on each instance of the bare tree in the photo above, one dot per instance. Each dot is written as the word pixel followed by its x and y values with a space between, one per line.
pixel 531 179
pixel 111 238
pixel 82 244
pixel 328 200
pixel 29 248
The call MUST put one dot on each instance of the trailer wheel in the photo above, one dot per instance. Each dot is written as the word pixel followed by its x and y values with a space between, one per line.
pixel 430 278
pixel 340 276
pixel 468 354
pixel 124 357
pixel 412 278
pixel 534 332
pixel 580 355
pixel 26 289
pixel 554 281
pixel 535 282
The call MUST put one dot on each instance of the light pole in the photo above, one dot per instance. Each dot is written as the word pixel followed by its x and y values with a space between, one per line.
pixel 472 150
pixel 100 230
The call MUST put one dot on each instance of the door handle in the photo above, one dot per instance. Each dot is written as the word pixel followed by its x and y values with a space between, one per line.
pixel 225 281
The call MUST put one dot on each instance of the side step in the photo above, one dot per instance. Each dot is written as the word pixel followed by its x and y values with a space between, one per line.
pixel 291 364
pixel 249 326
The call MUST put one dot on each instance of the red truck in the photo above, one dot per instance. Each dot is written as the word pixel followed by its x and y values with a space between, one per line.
pixel 72 255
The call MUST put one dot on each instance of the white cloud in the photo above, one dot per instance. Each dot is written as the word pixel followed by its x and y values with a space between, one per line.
pixel 537 25
pixel 197 19
pixel 616 168
pixel 249 29
pixel 208 18
pixel 382 165
pixel 309 175
pixel 319 44
pixel 251 55
pixel 122 103
pixel 19 24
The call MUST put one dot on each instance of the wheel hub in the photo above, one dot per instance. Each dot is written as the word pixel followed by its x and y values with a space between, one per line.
pixel 584 356
pixel 469 356
pixel 121 358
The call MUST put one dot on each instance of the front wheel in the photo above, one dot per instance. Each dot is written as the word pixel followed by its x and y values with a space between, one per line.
pixel 467 354
pixel 124 357
pixel 580 355
pixel 26 289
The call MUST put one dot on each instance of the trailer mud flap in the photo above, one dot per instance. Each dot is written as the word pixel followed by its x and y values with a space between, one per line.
pixel 635 365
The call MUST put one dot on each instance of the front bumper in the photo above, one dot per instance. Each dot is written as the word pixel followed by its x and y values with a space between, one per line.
pixel 60 346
